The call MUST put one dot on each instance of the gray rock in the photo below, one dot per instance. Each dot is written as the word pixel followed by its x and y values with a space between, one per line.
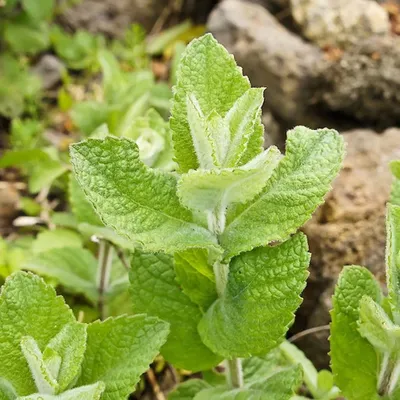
pixel 49 69
pixel 339 23
pixel 365 83
pixel 112 17
pixel 349 228
pixel 271 56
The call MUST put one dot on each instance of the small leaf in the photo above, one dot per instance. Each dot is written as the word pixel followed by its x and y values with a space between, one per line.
pixel 39 10
pixel 392 259
pixel 154 291
pixel 208 72
pixel 134 200
pixel 7 392
pixel 28 307
pixel 262 294
pixel 90 392
pixel 218 188
pixel 119 350
pixel 354 361
pixel 70 345
pixel 296 187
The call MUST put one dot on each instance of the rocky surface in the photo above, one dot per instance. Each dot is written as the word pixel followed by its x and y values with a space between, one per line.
pixel 339 22
pixel 49 69
pixel 348 229
pixel 271 56
pixel 365 82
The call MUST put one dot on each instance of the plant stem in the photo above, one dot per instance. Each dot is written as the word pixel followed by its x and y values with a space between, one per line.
pixel 234 373
pixel 216 224
pixel 103 275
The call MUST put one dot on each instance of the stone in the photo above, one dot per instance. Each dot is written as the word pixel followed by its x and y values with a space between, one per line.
pixel 49 69
pixel 365 82
pixel 339 23
pixel 349 228
pixel 271 56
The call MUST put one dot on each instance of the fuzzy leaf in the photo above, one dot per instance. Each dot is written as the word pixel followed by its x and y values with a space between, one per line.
pixel 133 199
pixel 241 119
pixel 73 267
pixel 90 392
pixel 393 259
pixel 56 239
pixel 206 190
pixel 196 277
pixel 154 291
pixel 28 307
pixel 210 73
pixel 82 209
pixel 119 350
pixel 69 345
pixel 354 361
pixel 296 187
pixel 262 294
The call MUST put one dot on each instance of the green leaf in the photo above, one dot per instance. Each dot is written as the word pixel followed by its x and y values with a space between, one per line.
pixel 72 267
pixel 7 392
pixel 44 379
pixel 134 200
pixel 210 73
pixel 241 119
pixel 25 35
pixel 154 291
pixel 56 239
pixel 393 259
pixel 196 277
pixel 395 193
pixel 89 115
pixel 80 206
pixel 262 294
pixel 68 346
pixel 44 174
pixel 28 307
pixel 296 187
pixel 354 361
pixel 207 190
pixel 90 392
pixel 279 386
pixel 39 10
pixel 188 390
pixel 119 350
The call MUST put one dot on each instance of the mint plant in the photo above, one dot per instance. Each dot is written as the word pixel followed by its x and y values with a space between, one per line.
pixel 217 253
pixel 46 354
pixel 365 328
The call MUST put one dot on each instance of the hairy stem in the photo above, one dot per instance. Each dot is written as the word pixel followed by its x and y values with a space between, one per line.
pixel 389 374
pixel 234 373
pixel 103 275
pixel 216 224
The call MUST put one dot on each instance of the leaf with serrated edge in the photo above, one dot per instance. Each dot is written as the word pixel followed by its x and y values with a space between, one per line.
pixel 28 307
pixel 131 198
pixel 210 73
pixel 89 392
pixel 353 358
pixel 296 187
pixel 119 350
pixel 206 190
pixel 241 119
pixel 392 259
pixel 70 346
pixel 154 291
pixel 72 267
pixel 262 294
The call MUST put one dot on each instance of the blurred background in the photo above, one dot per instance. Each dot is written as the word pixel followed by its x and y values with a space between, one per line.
pixel 79 68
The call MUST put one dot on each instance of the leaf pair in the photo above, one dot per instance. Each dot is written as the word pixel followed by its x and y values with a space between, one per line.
pixel 44 352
